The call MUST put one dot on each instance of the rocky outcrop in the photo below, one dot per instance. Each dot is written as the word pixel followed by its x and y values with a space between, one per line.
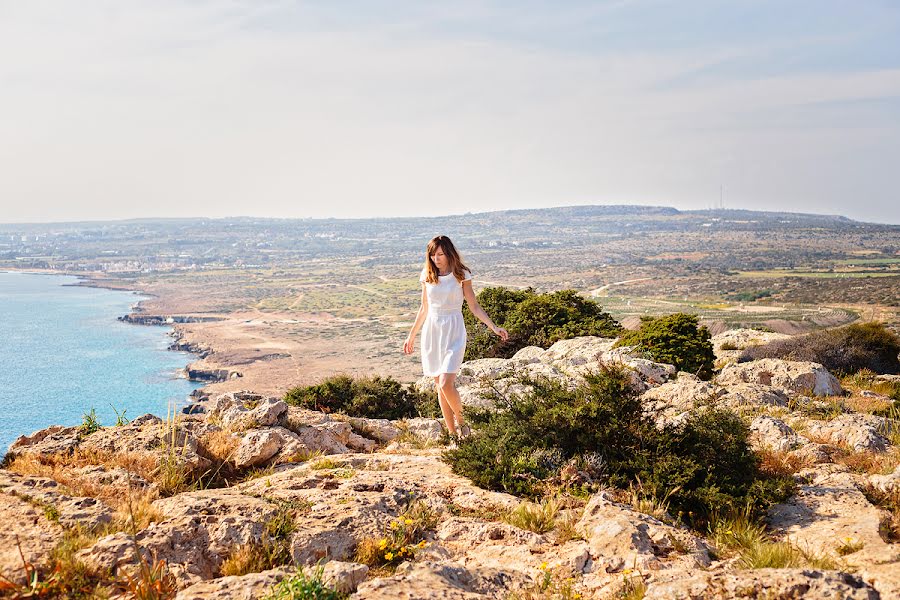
pixel 240 411
pixel 671 402
pixel 775 434
pixel 830 512
pixel 860 432
pixel 146 319
pixel 210 375
pixel 32 538
pixel 566 362
pixel 794 377
pixel 344 480
pixel 808 584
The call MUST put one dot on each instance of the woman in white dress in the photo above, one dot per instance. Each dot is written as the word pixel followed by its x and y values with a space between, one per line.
pixel 446 282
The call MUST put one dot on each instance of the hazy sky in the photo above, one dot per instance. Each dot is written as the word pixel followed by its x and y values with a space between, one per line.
pixel 128 108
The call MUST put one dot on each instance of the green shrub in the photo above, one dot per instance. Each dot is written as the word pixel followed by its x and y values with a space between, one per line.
pixel 843 351
pixel 675 339
pixel 89 423
pixel 533 319
pixel 370 397
pixel 304 586
pixel 599 430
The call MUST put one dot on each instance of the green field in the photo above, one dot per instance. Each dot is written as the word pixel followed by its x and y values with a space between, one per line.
pixel 778 273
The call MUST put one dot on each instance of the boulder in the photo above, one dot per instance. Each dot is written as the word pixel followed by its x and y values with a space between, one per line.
pixel 200 531
pixel 775 434
pixel 239 412
pixel 740 339
pixel 257 446
pixel 427 430
pixel 672 400
pixel 619 537
pixel 577 351
pixel 859 431
pixel 155 438
pixel 441 581
pixel 529 355
pixel 795 377
pixel 737 395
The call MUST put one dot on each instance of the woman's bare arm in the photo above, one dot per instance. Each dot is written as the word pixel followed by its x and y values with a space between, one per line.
pixel 420 319
pixel 479 312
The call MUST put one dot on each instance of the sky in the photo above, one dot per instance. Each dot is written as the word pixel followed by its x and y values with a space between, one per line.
pixel 156 108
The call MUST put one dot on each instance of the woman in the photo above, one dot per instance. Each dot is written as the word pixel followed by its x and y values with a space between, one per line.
pixel 446 281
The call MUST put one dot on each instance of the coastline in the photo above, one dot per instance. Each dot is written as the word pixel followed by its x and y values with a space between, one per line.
pixel 91 280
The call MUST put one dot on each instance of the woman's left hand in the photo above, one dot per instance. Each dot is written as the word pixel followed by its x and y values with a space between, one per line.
pixel 504 335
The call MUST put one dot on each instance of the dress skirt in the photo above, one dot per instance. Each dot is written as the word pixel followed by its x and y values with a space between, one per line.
pixel 443 342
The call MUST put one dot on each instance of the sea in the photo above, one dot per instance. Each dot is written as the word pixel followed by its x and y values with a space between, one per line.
pixel 63 353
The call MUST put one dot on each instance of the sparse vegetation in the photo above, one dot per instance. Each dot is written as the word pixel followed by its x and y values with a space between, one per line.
pixel 740 533
pixel 533 319
pixel 304 586
pixel 536 517
pixel 675 339
pixel 843 351
pixel 90 423
pixel 371 397
pixel 404 536
pixel 555 437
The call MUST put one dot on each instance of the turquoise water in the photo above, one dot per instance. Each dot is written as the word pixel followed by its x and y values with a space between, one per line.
pixel 62 352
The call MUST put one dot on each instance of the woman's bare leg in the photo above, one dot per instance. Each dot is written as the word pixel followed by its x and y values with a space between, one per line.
pixel 445 407
pixel 447 386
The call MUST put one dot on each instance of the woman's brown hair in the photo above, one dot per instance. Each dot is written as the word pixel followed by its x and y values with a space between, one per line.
pixel 457 267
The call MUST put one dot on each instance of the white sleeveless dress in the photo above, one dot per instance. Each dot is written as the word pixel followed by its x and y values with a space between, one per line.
pixel 443 333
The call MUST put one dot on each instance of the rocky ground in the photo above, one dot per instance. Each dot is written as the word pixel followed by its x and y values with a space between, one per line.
pixel 232 498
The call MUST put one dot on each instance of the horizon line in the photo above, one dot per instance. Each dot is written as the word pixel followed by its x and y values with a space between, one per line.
pixel 406 217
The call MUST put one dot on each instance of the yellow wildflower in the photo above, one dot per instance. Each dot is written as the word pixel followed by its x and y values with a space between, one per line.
pixel 382 544
pixel 544 566
pixel 627 571
pixel 422 544
pixel 409 521
pixel 388 556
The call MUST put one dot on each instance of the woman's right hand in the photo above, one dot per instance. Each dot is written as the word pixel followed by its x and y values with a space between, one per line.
pixel 409 344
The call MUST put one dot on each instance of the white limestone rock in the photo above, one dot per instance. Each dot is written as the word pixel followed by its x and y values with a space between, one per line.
pixel 797 377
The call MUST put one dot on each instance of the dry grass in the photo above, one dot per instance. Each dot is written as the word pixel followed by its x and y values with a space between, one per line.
pixel 781 462
pixel 866 379
pixel 567 528
pixel 218 446
pixel 870 463
pixel 867 404
pixel 252 558
pixel 64 470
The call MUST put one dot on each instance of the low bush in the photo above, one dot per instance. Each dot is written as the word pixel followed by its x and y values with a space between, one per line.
pixel 304 585
pixel 843 351
pixel 675 339
pixel 370 397
pixel 598 433
pixel 533 319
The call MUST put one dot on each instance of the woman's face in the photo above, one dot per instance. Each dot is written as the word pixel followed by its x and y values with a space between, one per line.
pixel 440 260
